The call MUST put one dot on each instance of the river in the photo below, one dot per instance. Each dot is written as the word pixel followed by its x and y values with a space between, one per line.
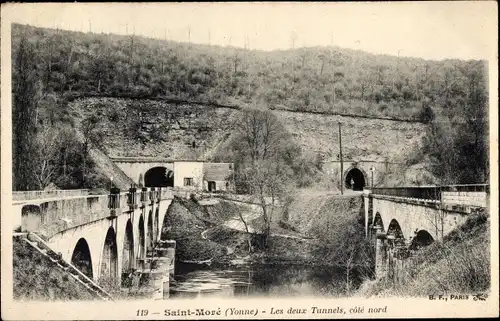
pixel 255 281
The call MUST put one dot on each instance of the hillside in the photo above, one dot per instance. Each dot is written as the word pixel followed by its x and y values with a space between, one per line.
pixel 35 277
pixel 148 97
pixel 159 128
pixel 325 79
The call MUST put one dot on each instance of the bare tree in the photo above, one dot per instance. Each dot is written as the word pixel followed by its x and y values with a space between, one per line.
pixel 93 133
pixel 303 58
pixel 262 144
pixel 45 157
pixel 236 61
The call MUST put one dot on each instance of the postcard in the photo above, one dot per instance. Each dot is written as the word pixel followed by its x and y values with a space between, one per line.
pixel 249 160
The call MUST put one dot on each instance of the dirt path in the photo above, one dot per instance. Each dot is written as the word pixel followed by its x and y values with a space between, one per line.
pixel 236 223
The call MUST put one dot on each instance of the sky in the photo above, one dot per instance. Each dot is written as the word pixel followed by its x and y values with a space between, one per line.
pixel 430 30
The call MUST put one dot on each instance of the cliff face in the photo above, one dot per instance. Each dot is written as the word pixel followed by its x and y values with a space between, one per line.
pixel 163 129
pixel 159 129
pixel 362 138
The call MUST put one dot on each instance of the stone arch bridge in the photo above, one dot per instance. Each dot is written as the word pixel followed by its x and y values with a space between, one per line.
pixel 104 236
pixel 404 219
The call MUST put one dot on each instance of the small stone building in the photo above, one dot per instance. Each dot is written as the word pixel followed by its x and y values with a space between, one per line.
pixel 218 177
pixel 211 177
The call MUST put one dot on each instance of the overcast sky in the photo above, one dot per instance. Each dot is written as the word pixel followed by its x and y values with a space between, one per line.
pixel 435 30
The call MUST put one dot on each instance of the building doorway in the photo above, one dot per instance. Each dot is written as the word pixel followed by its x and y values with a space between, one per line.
pixel 211 186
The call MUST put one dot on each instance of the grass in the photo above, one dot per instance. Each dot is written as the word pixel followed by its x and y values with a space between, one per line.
pixel 185 226
pixel 35 277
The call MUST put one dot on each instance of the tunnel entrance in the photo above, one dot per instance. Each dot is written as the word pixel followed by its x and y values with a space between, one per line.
pixel 159 177
pixel 355 180
pixel 81 258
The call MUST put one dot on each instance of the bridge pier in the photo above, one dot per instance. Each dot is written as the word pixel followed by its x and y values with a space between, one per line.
pixel 158 268
pixel 380 254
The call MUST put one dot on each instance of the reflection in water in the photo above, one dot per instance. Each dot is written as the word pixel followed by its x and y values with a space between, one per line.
pixel 256 280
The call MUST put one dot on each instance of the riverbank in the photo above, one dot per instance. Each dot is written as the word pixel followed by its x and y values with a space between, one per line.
pixel 216 233
pixel 326 233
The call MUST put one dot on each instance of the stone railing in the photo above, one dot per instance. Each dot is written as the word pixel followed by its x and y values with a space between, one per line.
pixel 444 193
pixel 50 216
pixel 32 195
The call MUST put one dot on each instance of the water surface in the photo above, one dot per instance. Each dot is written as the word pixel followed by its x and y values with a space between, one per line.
pixel 282 280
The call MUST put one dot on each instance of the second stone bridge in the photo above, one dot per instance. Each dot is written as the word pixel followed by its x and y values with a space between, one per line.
pixel 404 219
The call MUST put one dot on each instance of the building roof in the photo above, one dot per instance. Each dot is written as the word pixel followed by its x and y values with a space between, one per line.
pixel 217 171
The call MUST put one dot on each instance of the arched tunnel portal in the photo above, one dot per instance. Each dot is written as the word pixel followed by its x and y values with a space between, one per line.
pixel 159 177
pixel 355 179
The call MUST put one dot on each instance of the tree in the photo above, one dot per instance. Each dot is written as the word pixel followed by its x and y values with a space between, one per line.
pixel 93 134
pixel 264 152
pixel 45 157
pixel 342 243
pixel 23 116
pixel 457 144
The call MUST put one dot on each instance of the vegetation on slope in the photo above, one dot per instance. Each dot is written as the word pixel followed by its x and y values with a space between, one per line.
pixel 35 277
pixel 458 264
pixel 310 79
pixel 46 148
pixel 184 226
pixel 337 225
pixel 451 94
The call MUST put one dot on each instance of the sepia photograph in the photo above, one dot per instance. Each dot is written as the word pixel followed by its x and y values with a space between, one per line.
pixel 190 160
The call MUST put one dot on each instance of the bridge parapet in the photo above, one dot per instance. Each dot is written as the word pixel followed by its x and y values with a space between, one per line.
pixel 471 194
pixel 435 204
pixel 30 195
pixel 50 216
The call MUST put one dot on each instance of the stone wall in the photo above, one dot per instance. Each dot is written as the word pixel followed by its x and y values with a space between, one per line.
pixel 161 129
pixel 465 198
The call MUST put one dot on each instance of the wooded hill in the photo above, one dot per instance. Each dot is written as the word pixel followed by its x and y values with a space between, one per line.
pixel 51 67
pixel 324 79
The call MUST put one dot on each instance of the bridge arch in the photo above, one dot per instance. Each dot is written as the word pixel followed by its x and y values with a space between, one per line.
pixel 109 261
pixel 395 230
pixel 81 258
pixel 159 176
pixel 355 178
pixel 377 221
pixel 149 234
pixel 128 250
pixel 142 239
pixel 421 239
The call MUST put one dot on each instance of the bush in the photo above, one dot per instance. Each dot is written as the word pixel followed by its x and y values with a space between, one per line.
pixel 193 197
